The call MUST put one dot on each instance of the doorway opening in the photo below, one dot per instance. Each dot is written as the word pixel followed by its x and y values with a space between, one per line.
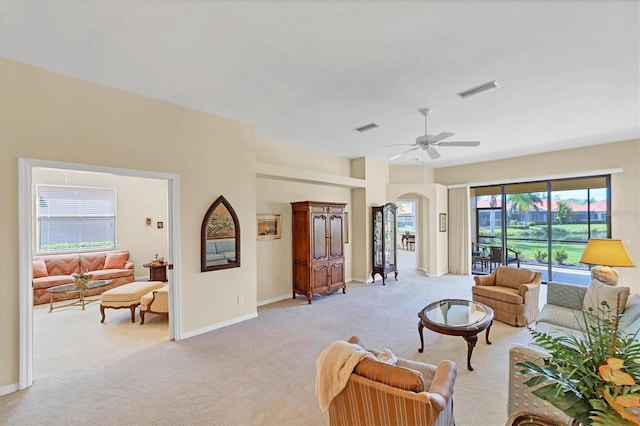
pixel 69 328
pixel 407 232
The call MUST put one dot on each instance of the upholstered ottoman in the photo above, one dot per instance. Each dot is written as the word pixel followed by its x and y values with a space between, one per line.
pixel 127 296
pixel 155 302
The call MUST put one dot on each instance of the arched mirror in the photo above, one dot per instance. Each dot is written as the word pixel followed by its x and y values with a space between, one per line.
pixel 220 237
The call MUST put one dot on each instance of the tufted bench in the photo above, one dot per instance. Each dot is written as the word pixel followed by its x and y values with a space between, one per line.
pixel 127 296
pixel 155 302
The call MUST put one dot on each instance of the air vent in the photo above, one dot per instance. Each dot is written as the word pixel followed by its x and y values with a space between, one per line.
pixel 479 89
pixel 366 127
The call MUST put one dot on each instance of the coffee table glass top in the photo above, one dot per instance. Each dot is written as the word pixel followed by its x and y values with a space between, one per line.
pixel 66 288
pixel 456 313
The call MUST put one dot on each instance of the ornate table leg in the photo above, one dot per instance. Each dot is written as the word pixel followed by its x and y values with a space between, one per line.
pixel 420 328
pixel 486 336
pixel 471 343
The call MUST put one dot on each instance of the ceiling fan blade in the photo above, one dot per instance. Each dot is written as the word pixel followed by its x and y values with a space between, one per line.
pixel 433 154
pixel 402 153
pixel 440 136
pixel 401 144
pixel 459 143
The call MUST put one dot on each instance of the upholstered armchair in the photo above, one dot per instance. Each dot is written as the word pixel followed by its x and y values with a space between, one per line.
pixel 512 293
pixel 155 302
pixel 407 393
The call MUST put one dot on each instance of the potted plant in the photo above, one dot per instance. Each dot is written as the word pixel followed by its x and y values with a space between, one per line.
pixel 594 378
pixel 81 279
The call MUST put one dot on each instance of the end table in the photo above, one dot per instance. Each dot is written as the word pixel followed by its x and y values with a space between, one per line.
pixel 157 271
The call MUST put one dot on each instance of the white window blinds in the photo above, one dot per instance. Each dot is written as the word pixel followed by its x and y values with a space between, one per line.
pixel 75 218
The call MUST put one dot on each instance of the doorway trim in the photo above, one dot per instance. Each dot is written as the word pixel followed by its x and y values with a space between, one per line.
pixel 25 250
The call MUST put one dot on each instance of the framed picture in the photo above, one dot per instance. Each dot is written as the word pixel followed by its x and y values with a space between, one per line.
pixel 269 226
pixel 443 222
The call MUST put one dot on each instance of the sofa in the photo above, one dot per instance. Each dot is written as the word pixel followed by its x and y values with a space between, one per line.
pixel 220 252
pixel 57 269
pixel 561 315
pixel 512 293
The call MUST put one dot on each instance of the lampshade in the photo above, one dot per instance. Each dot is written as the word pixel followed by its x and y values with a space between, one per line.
pixel 606 252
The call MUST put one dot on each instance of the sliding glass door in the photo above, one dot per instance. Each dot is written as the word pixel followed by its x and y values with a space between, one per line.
pixel 543 226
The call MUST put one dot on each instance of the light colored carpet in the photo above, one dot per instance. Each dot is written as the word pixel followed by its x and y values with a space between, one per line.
pixel 259 372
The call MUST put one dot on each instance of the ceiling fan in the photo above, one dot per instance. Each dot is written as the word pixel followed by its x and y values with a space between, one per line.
pixel 428 142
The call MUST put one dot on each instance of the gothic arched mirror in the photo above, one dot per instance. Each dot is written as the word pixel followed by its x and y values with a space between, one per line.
pixel 220 237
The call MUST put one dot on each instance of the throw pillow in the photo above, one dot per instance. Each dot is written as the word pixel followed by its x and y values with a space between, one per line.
pixel 39 269
pixel 599 292
pixel 115 260
pixel 392 375
pixel 605 274
pixel 387 357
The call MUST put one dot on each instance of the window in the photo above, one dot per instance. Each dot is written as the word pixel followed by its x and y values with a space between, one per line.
pixel 75 218
pixel 546 223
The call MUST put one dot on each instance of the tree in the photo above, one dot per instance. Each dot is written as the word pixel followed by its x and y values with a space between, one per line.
pixel 564 212
pixel 523 202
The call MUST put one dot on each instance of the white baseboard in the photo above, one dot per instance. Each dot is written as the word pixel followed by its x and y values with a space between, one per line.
pixel 275 299
pixel 6 390
pixel 218 325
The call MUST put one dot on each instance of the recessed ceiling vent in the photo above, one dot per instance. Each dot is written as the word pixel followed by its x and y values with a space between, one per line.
pixel 367 127
pixel 479 89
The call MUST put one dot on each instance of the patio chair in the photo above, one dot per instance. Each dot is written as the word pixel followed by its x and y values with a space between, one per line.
pixel 495 257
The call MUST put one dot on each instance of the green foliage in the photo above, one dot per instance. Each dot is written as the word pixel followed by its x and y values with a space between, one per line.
pixel 564 212
pixel 539 255
pixel 561 255
pixel 76 246
pixel 569 378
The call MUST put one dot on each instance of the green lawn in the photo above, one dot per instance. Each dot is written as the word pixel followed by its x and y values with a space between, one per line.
pixel 564 237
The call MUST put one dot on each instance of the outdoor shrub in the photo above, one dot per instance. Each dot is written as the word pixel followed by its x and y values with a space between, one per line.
pixel 561 255
pixel 539 255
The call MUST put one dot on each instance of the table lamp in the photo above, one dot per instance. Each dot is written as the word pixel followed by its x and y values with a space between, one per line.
pixel 608 253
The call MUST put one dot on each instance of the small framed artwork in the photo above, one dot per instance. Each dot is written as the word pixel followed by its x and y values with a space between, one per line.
pixel 269 226
pixel 443 222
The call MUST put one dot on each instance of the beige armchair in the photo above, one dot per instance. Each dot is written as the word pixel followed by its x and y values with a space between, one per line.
pixel 408 393
pixel 512 293
pixel 155 302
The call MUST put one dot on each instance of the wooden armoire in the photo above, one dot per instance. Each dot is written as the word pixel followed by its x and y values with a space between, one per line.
pixel 318 248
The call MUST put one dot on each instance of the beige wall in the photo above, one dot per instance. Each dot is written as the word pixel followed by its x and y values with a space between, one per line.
pixel 47 116
pixel 136 199
pixel 273 257
pixel 625 186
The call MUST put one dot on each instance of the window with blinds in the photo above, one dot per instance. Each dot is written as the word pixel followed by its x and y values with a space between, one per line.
pixel 72 218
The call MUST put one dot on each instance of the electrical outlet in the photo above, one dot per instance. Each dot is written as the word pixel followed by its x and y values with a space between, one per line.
pixel 241 299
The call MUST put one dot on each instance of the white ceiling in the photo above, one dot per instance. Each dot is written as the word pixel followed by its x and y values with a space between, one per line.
pixel 308 72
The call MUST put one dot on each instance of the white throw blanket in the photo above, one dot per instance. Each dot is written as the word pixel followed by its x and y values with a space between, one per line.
pixel 334 365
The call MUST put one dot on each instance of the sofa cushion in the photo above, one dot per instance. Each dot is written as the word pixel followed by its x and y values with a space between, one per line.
pixel 116 260
pixel 62 264
pixel 561 317
pixel 225 246
pixel 109 274
pixel 599 292
pixel 513 277
pixel 211 247
pixel 392 375
pixel 631 312
pixel 39 268
pixel 503 294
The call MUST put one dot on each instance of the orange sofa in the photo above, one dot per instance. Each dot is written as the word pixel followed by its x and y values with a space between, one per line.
pixel 53 270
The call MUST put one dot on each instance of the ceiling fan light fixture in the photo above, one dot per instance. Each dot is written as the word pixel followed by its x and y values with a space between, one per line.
pixel 478 89
pixel 367 127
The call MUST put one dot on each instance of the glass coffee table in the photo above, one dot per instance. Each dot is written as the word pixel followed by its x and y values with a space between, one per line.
pixel 72 287
pixel 457 317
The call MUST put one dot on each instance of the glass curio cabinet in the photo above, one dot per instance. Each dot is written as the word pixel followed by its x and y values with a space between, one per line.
pixel 384 241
